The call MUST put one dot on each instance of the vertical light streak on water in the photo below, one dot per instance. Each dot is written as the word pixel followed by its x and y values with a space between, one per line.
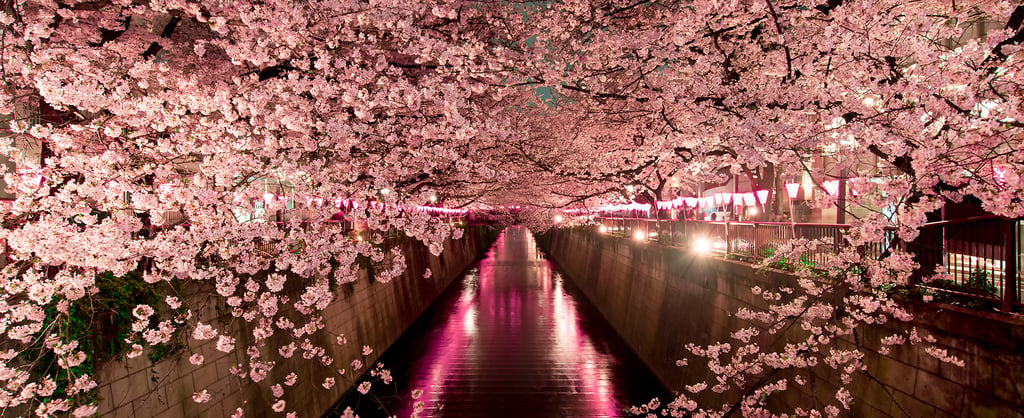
pixel 513 339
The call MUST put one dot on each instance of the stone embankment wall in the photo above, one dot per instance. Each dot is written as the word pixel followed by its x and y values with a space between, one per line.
pixel 366 312
pixel 659 299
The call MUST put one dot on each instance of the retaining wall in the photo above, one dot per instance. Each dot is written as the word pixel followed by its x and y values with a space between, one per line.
pixel 660 298
pixel 366 312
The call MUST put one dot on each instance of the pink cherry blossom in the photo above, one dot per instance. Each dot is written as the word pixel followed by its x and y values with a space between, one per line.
pixel 291 379
pixel 364 388
pixel 234 147
pixel 201 397
pixel 225 344
pixel 203 332
pixel 278 406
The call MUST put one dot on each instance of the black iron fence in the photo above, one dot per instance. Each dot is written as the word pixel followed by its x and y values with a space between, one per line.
pixel 978 255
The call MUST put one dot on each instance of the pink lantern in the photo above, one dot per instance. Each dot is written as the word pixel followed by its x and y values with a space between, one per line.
pixel 718 198
pixel 792 189
pixel 727 197
pixel 748 199
pixel 691 201
pixel 268 197
pixel 855 183
pixel 762 196
pixel 831 187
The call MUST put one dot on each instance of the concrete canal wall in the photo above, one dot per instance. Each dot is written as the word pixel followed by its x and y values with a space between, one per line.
pixel 659 299
pixel 366 312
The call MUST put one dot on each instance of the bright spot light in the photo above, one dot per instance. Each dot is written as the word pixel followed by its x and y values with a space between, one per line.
pixel 433 198
pixel 752 211
pixel 702 246
pixel 602 229
pixel 385 191
pixel 558 218
pixel 639 235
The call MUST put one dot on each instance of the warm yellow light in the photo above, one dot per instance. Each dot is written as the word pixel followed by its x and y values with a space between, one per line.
pixel 558 218
pixel 602 229
pixel 639 235
pixel 702 246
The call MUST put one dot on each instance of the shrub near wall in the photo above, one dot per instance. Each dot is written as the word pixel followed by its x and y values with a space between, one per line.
pixel 366 312
pixel 660 298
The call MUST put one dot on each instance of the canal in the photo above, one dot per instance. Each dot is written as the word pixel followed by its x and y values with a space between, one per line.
pixel 511 338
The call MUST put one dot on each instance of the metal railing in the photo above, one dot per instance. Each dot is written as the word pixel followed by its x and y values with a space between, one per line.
pixel 980 256
pixel 750 240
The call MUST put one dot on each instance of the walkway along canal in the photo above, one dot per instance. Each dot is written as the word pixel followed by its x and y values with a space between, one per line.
pixel 511 339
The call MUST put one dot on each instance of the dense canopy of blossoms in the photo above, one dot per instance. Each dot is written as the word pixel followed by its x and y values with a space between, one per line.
pixel 165 137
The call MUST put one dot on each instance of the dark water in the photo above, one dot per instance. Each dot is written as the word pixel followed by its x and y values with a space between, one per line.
pixel 512 339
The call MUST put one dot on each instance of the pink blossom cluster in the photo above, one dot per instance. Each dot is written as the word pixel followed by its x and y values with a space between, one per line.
pixel 263 152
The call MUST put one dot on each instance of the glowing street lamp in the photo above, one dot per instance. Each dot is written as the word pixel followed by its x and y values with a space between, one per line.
pixel 638 235
pixel 702 246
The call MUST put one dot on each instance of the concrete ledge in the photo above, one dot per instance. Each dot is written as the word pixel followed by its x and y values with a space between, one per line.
pixel 366 311
pixel 660 298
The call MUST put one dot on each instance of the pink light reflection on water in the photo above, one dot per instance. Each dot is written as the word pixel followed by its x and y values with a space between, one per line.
pixel 514 338
pixel 572 344
pixel 454 334
pixel 511 343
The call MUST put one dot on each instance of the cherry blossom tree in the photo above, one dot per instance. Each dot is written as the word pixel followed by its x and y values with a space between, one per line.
pixel 166 122
pixel 169 120
pixel 890 89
